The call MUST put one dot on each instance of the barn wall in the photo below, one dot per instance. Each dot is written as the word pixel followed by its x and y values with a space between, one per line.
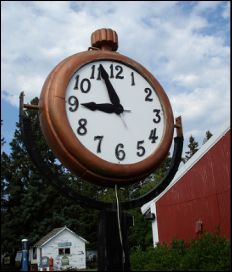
pixel 202 194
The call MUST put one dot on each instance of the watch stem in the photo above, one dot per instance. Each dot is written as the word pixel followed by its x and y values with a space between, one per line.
pixel 105 39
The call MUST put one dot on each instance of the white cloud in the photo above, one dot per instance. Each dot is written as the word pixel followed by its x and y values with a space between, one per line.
pixel 187 80
pixel 167 37
pixel 203 6
pixel 226 11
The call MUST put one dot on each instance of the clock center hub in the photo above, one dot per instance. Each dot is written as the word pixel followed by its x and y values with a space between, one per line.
pixel 119 109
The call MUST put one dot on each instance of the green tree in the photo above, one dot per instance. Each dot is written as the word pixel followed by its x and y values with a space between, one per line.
pixel 193 148
pixel 140 234
pixel 208 135
pixel 210 252
pixel 2 138
pixel 151 181
pixel 32 207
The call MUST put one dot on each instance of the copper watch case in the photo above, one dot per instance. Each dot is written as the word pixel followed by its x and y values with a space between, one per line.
pixel 69 150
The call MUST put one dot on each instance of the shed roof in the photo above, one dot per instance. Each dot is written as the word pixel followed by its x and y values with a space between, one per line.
pixel 53 234
pixel 184 168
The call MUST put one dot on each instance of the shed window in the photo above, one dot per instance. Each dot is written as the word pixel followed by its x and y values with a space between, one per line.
pixel 64 251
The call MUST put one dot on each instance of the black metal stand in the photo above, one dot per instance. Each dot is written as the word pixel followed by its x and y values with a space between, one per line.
pixel 114 222
pixel 112 254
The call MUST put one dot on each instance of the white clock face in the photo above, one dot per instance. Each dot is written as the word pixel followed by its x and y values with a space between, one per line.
pixel 114 112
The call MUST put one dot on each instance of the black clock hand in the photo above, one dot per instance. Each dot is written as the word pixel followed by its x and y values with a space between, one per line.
pixel 108 108
pixel 112 94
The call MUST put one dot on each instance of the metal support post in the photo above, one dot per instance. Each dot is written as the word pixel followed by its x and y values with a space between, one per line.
pixel 112 254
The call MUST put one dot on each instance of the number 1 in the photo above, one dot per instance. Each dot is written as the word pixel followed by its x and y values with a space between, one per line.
pixel 132 79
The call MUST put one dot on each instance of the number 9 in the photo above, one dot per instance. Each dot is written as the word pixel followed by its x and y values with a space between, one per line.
pixel 73 101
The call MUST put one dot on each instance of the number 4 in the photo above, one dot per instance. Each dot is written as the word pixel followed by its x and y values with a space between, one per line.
pixel 153 136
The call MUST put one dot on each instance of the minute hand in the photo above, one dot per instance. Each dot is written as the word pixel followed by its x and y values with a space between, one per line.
pixel 112 94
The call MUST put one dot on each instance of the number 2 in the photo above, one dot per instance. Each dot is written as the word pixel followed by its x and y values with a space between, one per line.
pixel 148 91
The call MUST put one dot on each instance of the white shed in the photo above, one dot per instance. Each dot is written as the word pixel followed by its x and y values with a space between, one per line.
pixel 66 248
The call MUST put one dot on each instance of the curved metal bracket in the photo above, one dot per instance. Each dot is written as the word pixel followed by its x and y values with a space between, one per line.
pixel 85 201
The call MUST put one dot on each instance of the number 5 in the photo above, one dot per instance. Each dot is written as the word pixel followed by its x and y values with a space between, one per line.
pixel 141 149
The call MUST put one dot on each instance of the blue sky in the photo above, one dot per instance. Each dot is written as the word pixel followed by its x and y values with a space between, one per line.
pixel 186 45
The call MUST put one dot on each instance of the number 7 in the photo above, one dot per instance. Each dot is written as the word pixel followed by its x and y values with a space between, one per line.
pixel 99 143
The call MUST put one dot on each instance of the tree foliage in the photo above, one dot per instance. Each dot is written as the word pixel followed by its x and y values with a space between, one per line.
pixel 208 135
pixel 31 207
pixel 193 148
pixel 2 138
pixel 210 252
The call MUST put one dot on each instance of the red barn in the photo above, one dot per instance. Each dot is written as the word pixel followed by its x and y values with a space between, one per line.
pixel 198 198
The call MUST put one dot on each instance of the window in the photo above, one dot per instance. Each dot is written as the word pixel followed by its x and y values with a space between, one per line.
pixel 64 251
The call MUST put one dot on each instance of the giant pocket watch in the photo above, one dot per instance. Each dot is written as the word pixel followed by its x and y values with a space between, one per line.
pixel 105 116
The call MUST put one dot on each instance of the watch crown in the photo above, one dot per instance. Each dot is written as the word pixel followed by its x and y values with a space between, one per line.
pixel 105 39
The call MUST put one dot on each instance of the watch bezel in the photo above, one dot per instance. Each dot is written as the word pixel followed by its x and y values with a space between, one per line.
pixel 69 149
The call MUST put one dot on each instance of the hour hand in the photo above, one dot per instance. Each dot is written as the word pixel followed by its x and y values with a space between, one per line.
pixel 105 107
pixel 114 99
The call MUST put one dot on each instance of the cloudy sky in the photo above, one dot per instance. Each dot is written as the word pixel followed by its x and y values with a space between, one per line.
pixel 185 44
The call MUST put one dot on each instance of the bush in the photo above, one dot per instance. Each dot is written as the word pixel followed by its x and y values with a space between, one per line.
pixel 208 253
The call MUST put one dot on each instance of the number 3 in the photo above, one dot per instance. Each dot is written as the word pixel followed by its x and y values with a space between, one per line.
pixel 157 114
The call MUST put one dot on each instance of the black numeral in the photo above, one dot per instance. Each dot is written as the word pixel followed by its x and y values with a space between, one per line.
pixel 76 83
pixel 141 149
pixel 132 79
pixel 157 115
pixel 99 143
pixel 82 130
pixel 120 70
pixel 93 73
pixel 73 101
pixel 153 136
pixel 148 91
pixel 85 84
pixel 119 152
pixel 118 74
pixel 111 71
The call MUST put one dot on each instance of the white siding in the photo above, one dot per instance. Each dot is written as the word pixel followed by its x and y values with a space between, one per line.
pixel 154 225
pixel 77 256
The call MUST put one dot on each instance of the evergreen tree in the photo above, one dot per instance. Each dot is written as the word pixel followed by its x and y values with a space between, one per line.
pixel 208 135
pixel 2 138
pixel 31 206
pixel 151 181
pixel 193 148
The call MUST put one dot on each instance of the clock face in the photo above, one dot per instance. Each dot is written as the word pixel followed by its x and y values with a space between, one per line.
pixel 106 117
pixel 114 112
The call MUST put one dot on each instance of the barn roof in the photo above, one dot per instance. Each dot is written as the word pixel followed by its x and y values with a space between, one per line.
pixel 45 239
pixel 184 168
